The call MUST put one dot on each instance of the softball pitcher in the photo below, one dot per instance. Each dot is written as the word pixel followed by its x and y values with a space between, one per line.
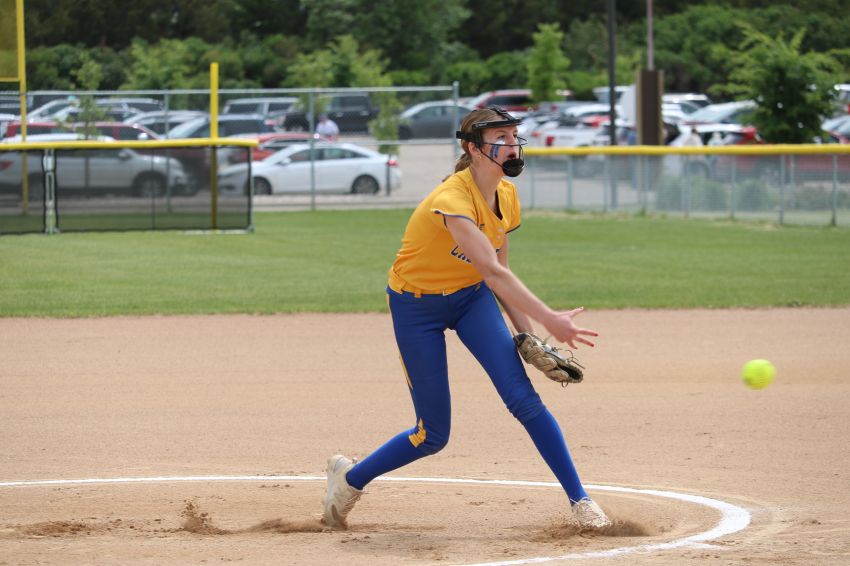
pixel 449 273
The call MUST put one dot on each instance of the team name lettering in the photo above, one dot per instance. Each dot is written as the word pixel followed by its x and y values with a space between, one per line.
pixel 460 255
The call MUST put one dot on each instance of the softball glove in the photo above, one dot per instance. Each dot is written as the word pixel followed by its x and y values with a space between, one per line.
pixel 549 359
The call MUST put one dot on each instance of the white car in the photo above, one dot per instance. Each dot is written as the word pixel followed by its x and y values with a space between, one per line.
pixel 94 171
pixel 567 131
pixel 337 167
pixel 726 113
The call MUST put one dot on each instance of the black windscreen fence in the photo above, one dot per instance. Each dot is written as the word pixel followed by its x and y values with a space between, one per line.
pixel 108 189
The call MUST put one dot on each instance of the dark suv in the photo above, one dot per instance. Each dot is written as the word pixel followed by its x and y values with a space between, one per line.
pixel 352 112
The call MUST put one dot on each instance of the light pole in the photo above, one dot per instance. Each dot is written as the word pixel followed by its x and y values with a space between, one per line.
pixel 612 75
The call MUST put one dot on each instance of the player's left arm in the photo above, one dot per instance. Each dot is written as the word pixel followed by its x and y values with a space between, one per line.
pixel 521 322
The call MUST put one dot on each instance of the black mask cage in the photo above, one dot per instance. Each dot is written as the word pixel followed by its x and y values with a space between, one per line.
pixel 475 135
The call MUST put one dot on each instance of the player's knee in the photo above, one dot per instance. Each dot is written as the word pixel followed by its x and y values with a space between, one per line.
pixel 436 441
pixel 526 407
pixel 431 440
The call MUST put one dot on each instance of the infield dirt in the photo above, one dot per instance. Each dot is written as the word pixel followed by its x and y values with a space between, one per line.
pixel 662 407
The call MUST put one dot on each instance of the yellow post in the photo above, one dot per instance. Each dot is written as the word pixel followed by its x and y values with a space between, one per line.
pixel 22 82
pixel 214 149
pixel 22 67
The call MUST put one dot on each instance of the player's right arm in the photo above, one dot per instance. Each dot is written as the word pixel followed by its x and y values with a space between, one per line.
pixel 508 287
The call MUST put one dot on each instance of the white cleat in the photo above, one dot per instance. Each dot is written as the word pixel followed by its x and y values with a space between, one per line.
pixel 590 515
pixel 339 497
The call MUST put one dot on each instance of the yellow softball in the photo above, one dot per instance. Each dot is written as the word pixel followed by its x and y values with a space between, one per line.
pixel 758 374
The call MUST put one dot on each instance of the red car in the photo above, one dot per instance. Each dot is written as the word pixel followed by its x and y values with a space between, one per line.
pixel 516 101
pixel 269 144
pixel 14 128
pixel 803 167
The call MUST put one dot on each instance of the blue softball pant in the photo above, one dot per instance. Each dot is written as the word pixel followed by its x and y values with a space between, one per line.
pixel 420 322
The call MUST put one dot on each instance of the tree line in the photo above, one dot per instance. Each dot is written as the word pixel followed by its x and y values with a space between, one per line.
pixel 718 47
pixel 145 44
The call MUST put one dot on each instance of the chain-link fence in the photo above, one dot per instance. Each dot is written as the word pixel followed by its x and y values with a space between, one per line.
pixel 784 184
pixel 109 186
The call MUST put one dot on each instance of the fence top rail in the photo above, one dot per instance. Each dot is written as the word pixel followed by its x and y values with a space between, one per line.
pixel 132 144
pixel 766 149
pixel 247 91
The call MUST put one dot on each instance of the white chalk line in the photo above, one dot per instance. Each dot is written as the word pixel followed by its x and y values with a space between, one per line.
pixel 733 518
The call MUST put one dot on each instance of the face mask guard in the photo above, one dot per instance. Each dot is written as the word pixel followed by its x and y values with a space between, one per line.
pixel 511 167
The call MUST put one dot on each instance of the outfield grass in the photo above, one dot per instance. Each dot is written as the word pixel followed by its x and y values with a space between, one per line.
pixel 336 261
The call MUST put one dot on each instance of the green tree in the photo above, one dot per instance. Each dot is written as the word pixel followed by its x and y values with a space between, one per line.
pixel 793 90
pixel 345 64
pixel 89 76
pixel 507 70
pixel 408 32
pixel 367 68
pixel 170 64
pixel 586 44
pixel 473 76
pixel 266 60
pixel 166 64
pixel 695 48
pixel 547 64
pixel 51 67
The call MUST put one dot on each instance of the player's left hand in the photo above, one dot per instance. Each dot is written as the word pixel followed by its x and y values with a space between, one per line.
pixel 563 329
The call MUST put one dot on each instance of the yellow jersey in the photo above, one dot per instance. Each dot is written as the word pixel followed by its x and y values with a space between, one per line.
pixel 429 260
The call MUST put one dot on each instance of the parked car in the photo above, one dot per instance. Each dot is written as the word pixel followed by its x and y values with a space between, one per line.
pixel 5 120
pixel 161 121
pixel 803 168
pixel 267 144
pixel 35 128
pixel 697 99
pixel 841 130
pixel 132 105
pixel 95 171
pixel 568 131
pixel 196 160
pixel 120 131
pixel 273 107
pixel 531 124
pixel 228 125
pixel 438 119
pixel 843 97
pixel 10 105
pixel 724 113
pixel 706 166
pixel 516 101
pixel 49 110
pixel 75 114
pixel 601 93
pixel 338 168
pixel 352 112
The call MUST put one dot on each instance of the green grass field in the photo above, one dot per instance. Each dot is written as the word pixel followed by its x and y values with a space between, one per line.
pixel 336 261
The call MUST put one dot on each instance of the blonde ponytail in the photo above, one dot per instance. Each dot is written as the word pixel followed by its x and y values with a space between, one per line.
pixel 463 162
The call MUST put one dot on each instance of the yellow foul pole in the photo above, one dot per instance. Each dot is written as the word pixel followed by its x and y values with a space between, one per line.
pixel 22 88
pixel 22 67
pixel 213 150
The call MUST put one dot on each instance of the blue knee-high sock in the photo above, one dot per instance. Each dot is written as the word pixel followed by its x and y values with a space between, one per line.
pixel 549 440
pixel 395 453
